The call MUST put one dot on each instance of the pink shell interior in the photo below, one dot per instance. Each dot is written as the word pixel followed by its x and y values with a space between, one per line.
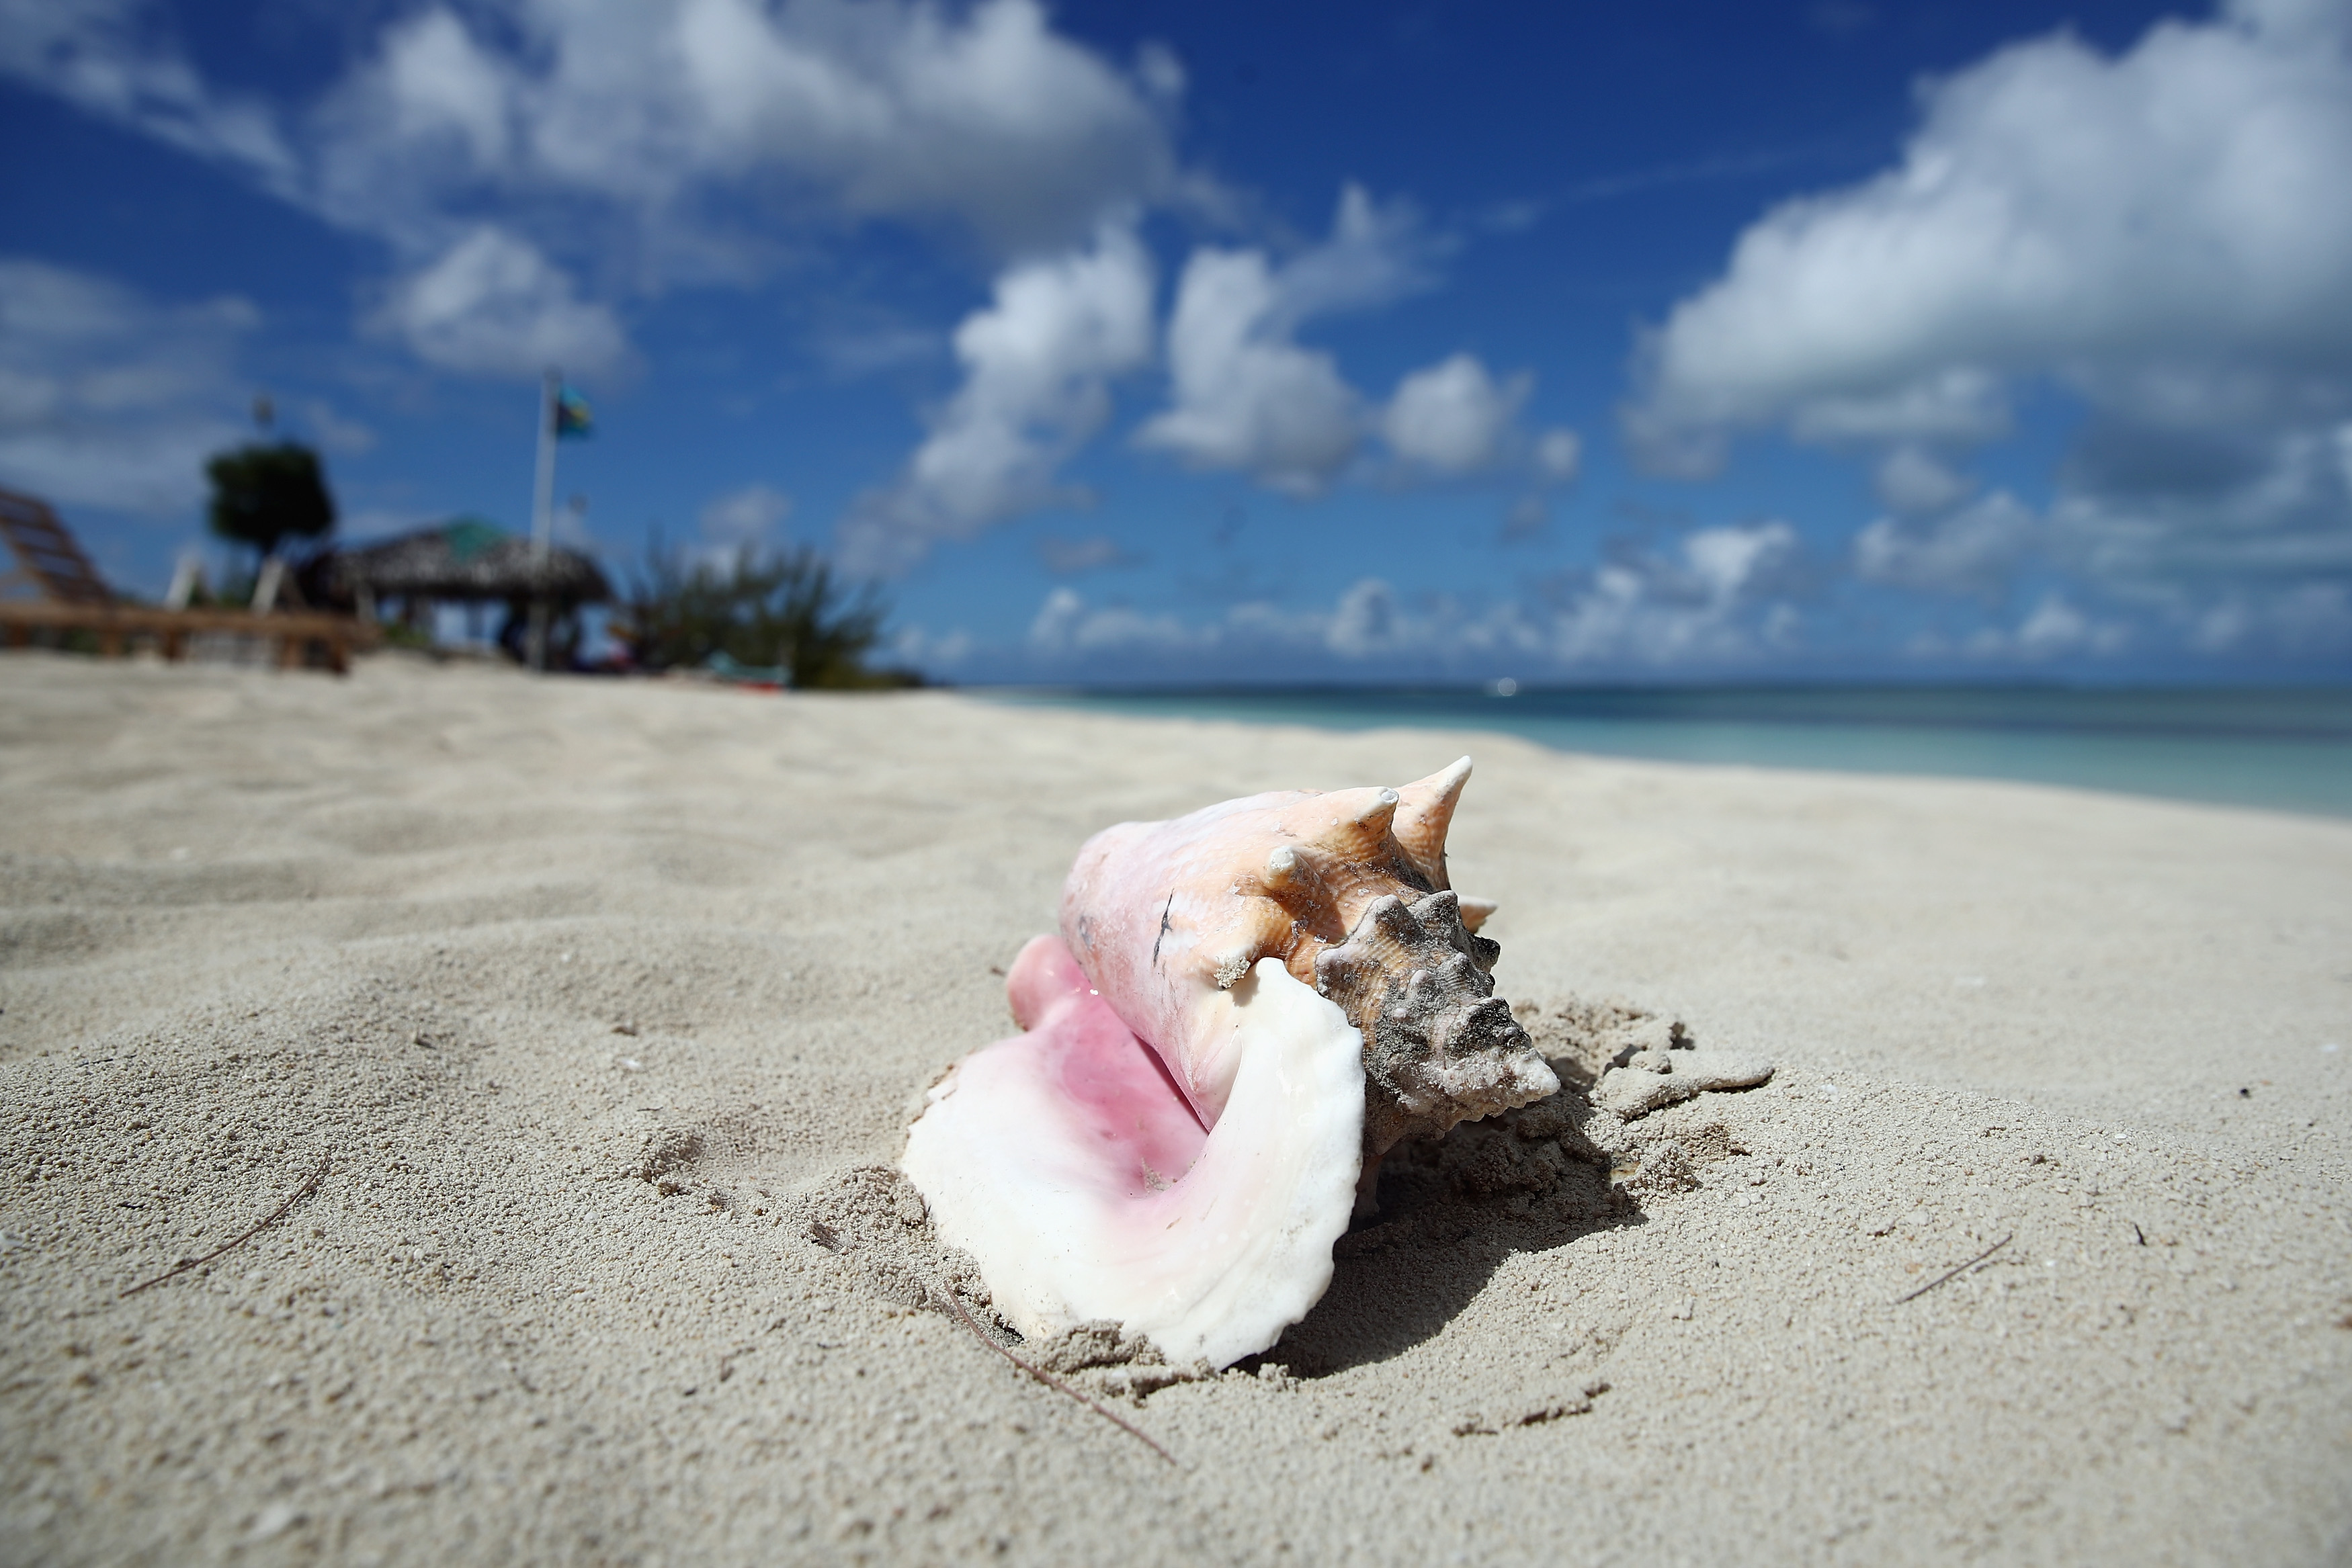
pixel 1125 1110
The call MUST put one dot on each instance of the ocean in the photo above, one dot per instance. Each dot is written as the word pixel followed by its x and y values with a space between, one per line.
pixel 2281 749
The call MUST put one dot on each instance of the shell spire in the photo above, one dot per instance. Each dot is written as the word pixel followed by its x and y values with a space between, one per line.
pixel 1424 810
pixel 1439 1046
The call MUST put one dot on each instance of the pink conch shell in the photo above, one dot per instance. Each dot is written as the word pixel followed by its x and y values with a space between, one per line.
pixel 1349 890
pixel 1067 1164
pixel 1255 1002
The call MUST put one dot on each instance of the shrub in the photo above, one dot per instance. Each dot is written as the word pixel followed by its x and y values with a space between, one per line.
pixel 783 610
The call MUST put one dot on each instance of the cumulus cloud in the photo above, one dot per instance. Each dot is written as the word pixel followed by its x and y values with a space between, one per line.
pixel 1066 625
pixel 2166 232
pixel 1246 395
pixel 2053 629
pixel 109 398
pixel 494 305
pixel 2312 619
pixel 2158 576
pixel 587 127
pixel 1709 600
pixel 1454 417
pixel 1037 362
pixel 2182 200
pixel 750 514
pixel 1912 479
pixel 1973 550
pixel 899 110
pixel 1717 597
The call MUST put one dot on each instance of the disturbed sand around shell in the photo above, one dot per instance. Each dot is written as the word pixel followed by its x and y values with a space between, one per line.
pixel 597 997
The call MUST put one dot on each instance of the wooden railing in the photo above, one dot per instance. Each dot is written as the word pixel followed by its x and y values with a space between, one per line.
pixel 301 637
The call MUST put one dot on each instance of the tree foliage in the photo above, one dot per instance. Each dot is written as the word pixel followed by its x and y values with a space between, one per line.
pixel 263 495
pixel 781 609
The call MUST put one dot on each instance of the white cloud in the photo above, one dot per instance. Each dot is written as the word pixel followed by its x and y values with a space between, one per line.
pixel 1066 625
pixel 115 60
pixel 1726 561
pixel 747 515
pixel 1376 254
pixel 2166 232
pixel 492 305
pixel 2185 510
pixel 1707 603
pixel 1973 550
pixel 1714 601
pixel 1960 405
pixel 1366 621
pixel 897 109
pixel 1453 417
pixel 2054 628
pixel 1037 363
pixel 740 521
pixel 591 128
pixel 1559 453
pixel 918 647
pixel 1096 552
pixel 1911 479
pixel 110 399
pixel 2312 618
pixel 2185 200
pixel 333 432
pixel 2284 590
pixel 1247 396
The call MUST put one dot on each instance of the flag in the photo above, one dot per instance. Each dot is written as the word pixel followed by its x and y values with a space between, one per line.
pixel 572 416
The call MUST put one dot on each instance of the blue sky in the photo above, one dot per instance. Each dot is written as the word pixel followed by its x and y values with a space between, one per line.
pixel 1304 342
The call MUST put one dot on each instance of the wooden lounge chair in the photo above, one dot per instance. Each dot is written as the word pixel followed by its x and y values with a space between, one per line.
pixel 74 598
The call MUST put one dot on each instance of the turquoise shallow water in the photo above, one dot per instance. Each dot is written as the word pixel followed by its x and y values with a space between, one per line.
pixel 2281 750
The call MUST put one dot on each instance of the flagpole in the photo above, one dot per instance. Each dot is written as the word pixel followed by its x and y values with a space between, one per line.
pixel 542 519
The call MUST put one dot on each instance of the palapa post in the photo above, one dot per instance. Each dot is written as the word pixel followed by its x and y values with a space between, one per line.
pixel 542 517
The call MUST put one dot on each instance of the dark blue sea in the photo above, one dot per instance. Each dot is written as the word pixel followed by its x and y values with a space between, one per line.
pixel 2281 750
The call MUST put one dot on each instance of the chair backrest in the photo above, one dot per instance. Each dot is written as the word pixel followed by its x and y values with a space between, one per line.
pixel 46 555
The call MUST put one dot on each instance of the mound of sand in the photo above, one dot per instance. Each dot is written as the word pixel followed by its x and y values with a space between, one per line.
pixel 601 1003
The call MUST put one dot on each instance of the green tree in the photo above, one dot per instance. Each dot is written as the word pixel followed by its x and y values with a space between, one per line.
pixel 784 611
pixel 266 494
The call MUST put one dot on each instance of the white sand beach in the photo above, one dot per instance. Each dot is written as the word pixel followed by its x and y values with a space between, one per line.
pixel 587 995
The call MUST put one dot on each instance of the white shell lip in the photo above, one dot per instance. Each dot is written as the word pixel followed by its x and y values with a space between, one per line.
pixel 1055 1195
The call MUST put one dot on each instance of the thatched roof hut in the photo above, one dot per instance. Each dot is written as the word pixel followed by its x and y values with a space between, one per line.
pixel 466 559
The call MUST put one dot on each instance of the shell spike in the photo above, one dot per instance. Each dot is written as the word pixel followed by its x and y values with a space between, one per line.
pixel 1357 821
pixel 1288 874
pixel 1424 812
pixel 1257 930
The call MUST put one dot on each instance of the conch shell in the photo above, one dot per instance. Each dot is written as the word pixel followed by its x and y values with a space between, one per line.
pixel 1349 890
pixel 1249 1006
